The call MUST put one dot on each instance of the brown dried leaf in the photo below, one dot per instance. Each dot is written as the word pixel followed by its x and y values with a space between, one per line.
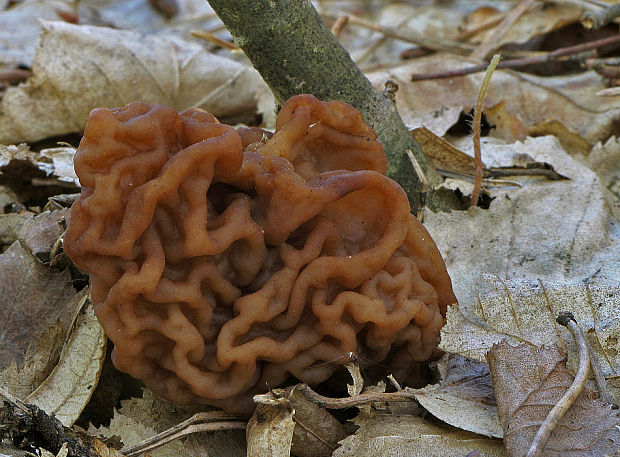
pixel 528 382
pixel 443 155
pixel 67 390
pixel 572 142
pixel 316 432
pixel 270 431
pixel 33 299
pixel 78 68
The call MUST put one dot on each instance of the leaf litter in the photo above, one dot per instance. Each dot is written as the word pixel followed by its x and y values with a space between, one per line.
pixel 538 269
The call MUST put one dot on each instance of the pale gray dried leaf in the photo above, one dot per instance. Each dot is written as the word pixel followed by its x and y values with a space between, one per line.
pixel 141 418
pixel 33 299
pixel 270 431
pixel 525 312
pixel 78 68
pixel 142 16
pixel 392 435
pixel 556 231
pixel 464 397
pixel 68 388
pixel 604 159
pixel 528 382
pixel 54 162
pixel 19 28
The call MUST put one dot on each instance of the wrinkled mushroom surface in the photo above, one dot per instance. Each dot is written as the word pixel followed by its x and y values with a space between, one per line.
pixel 223 262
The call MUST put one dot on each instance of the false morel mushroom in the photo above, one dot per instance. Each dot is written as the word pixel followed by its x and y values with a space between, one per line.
pixel 223 262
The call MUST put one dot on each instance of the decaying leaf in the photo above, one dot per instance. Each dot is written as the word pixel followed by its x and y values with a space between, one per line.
pixel 556 231
pixel 570 99
pixel 69 387
pixel 37 305
pixel 572 142
pixel 391 435
pixel 19 28
pixel 604 159
pixel 464 398
pixel 443 155
pixel 270 430
pixel 316 431
pixel 41 233
pixel 142 418
pixel 56 162
pixel 528 382
pixel 524 312
pixel 78 68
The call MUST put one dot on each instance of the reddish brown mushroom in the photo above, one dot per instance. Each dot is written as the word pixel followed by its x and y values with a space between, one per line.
pixel 225 261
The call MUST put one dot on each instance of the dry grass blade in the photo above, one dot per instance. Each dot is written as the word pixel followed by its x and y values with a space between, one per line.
pixel 477 127
pixel 200 422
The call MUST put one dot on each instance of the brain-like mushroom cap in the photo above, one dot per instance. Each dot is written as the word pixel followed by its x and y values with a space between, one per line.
pixel 225 261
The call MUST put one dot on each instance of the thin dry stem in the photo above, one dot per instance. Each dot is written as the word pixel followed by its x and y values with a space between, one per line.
pixel 340 24
pixel 522 62
pixel 477 127
pixel 356 400
pixel 215 40
pixel 411 37
pixel 596 19
pixel 199 422
pixel 557 412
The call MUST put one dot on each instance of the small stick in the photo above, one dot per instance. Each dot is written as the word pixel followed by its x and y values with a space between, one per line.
pixel 609 92
pixel 13 400
pixel 516 63
pixel 424 185
pixel 475 193
pixel 199 422
pixel 436 45
pixel 557 412
pixel 593 20
pixel 215 40
pixel 356 400
pixel 340 23
pixel 494 40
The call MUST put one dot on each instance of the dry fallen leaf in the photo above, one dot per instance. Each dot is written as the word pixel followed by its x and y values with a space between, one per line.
pixel 464 398
pixel 37 305
pixel 19 28
pixel 528 382
pixel 570 100
pixel 556 231
pixel 524 312
pixel 142 418
pixel 443 155
pixel 392 435
pixel 316 432
pixel 270 430
pixel 70 385
pixel 78 68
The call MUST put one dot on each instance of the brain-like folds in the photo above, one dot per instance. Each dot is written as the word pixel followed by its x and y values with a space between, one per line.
pixel 224 261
